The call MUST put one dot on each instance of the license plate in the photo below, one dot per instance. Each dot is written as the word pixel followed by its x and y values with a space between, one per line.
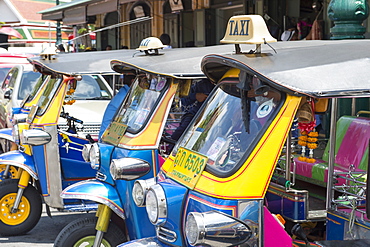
pixel 187 167
pixel 114 133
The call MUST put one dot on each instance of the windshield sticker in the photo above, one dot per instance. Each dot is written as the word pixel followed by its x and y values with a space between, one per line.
pixel 141 116
pixel 265 109
pixel 215 148
pixel 153 84
pixel 161 83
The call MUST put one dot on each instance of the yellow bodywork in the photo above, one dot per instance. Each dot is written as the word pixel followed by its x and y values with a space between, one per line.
pixel 149 136
pixel 252 179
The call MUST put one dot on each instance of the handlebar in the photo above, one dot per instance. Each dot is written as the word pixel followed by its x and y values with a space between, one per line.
pixel 68 117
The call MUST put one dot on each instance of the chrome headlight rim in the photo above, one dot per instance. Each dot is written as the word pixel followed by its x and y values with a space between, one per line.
pixel 141 188
pixel 86 152
pixel 194 221
pixel 94 155
pixel 216 228
pixel 156 205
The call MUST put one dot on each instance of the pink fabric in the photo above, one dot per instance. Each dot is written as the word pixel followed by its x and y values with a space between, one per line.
pixel 354 144
pixel 274 234
pixel 305 169
pixel 161 161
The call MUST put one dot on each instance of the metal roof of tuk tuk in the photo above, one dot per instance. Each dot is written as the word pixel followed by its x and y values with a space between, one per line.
pixel 331 68
pixel 178 62
pixel 79 63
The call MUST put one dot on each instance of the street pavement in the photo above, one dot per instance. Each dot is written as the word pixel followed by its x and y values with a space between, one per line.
pixel 45 232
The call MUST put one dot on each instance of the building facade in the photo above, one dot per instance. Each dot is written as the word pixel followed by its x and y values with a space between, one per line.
pixel 121 23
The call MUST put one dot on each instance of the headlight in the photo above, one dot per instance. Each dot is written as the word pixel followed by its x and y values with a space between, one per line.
pixel 15 133
pixel 215 229
pixel 194 228
pixel 140 190
pixel 95 156
pixel 86 152
pixel 128 168
pixel 156 205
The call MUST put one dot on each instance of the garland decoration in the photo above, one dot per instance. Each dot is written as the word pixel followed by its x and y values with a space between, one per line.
pixel 306 125
pixel 70 93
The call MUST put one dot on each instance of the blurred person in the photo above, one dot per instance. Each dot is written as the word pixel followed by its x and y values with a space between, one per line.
pixel 191 104
pixel 166 40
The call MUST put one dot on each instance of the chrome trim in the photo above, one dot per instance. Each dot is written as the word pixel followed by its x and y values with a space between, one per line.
pixel 152 242
pixel 53 170
pixel 100 176
pixel 160 197
pixel 217 229
pixel 86 152
pixel 97 199
pixel 34 137
pixel 128 168
pixel 94 156
pixel 165 234
pixel 145 186
pixel 19 118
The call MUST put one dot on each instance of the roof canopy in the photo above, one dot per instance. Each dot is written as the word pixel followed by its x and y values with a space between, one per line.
pixel 180 62
pixel 317 68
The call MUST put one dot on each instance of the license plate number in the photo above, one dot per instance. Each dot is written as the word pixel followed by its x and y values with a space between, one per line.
pixel 187 167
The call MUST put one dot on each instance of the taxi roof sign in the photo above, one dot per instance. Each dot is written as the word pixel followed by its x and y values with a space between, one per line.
pixel 247 29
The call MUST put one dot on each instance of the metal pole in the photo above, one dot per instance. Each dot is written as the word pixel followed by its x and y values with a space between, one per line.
pixel 288 161
pixel 59 30
pixel 333 127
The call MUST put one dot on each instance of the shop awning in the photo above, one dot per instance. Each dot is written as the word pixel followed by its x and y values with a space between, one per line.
pixel 75 12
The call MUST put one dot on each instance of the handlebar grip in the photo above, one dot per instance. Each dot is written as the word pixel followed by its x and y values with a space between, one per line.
pixel 68 117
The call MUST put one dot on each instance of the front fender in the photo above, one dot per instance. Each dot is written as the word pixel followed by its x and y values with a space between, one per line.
pixel 152 242
pixel 97 191
pixel 7 134
pixel 21 160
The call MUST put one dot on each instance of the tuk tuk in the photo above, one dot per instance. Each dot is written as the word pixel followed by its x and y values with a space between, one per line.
pixel 213 189
pixel 49 157
pixel 135 145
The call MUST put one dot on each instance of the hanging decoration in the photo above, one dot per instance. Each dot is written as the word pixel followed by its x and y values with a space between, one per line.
pixel 308 135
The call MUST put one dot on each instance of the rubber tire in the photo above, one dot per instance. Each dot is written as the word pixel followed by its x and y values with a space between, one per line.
pixel 84 227
pixel 33 196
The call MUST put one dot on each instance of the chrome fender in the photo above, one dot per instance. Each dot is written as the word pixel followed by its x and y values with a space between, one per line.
pixel 152 241
pixel 21 160
pixel 97 191
pixel 7 134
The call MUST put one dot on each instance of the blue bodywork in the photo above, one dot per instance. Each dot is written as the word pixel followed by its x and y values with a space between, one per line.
pixel 181 201
pixel 73 167
pixel 117 194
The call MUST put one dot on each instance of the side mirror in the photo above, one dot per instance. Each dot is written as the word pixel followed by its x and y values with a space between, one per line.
pixel 8 94
pixel 35 137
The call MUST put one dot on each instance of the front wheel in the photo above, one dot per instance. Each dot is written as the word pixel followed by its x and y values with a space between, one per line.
pixel 81 232
pixel 28 213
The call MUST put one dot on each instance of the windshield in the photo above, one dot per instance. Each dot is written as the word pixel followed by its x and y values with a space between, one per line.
pixel 48 95
pixel 30 82
pixel 137 108
pixel 3 72
pixel 92 87
pixel 228 126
